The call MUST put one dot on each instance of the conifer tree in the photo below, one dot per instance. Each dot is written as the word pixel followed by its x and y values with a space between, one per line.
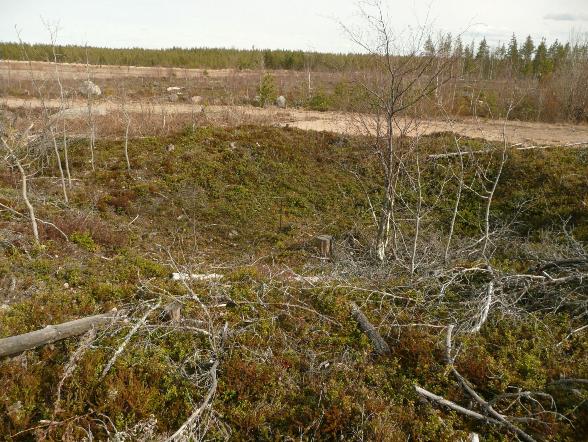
pixel 483 58
pixel 512 54
pixel 541 63
pixel 527 51
pixel 468 62
pixel 458 48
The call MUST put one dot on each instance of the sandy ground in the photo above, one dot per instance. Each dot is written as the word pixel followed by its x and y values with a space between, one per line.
pixel 526 133
pixel 22 70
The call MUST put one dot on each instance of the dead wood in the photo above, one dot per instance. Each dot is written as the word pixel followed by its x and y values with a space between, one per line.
pixel 558 265
pixel 380 346
pixel 52 333
pixel 447 403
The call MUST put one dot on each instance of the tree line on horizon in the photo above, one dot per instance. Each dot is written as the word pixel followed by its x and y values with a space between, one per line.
pixel 527 59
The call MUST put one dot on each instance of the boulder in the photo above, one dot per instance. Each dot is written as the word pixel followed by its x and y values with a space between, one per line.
pixel 173 98
pixel 89 88
pixel 281 101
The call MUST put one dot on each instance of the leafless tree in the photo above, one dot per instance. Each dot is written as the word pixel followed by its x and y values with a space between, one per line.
pixel 17 154
pixel 401 75
pixel 48 119
pixel 62 106
pixel 91 123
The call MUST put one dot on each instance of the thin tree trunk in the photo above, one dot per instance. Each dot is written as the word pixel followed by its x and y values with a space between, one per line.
pixel 90 115
pixel 457 202
pixel 127 143
pixel 61 175
pixel 62 109
pixel 418 216
pixel 383 234
pixel 91 123
pixel 66 155
pixel 490 199
pixel 25 197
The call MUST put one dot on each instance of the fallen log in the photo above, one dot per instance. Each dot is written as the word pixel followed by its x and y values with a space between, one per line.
pixel 52 333
pixel 380 346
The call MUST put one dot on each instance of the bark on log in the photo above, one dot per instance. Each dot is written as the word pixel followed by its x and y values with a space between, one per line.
pixel 380 346
pixel 52 333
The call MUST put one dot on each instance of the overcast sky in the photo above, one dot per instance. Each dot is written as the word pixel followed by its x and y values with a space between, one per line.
pixel 275 24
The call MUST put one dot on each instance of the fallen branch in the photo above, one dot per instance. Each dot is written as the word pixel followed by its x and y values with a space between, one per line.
pixel 560 264
pixel 127 340
pixel 513 147
pixel 497 417
pixel 380 346
pixel 489 409
pixel 570 381
pixel 442 401
pixel 179 435
pixel 52 333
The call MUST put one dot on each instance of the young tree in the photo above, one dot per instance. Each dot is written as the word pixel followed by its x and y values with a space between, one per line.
pixel 402 75
pixel 18 154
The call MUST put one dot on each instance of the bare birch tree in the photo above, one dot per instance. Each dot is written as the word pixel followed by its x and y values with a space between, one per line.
pixel 90 101
pixel 401 75
pixel 16 153
pixel 62 106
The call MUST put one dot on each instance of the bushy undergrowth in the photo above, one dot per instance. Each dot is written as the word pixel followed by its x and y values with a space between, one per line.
pixel 247 202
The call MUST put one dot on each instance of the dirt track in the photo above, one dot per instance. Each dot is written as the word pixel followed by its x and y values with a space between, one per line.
pixel 516 132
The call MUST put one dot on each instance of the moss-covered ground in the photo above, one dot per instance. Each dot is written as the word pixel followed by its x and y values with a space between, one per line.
pixel 246 203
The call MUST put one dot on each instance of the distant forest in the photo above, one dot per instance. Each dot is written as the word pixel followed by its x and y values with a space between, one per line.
pixel 197 58
pixel 526 59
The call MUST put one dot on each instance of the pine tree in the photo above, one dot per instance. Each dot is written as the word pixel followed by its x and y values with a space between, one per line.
pixel 458 48
pixel 556 54
pixel 468 58
pixel 512 53
pixel 541 63
pixel 483 58
pixel 429 47
pixel 527 56
pixel 445 46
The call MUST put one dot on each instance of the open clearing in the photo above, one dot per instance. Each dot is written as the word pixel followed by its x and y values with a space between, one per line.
pixel 179 263
pixel 527 133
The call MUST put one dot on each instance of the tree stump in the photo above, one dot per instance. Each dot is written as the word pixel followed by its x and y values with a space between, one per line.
pixel 325 245
pixel 173 312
